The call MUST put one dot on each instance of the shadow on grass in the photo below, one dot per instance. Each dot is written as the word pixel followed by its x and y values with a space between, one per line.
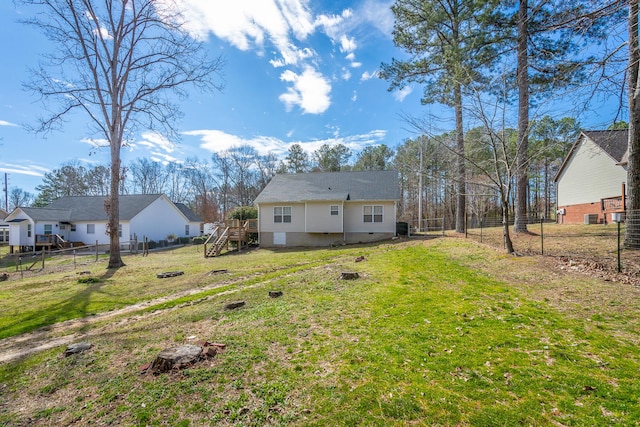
pixel 75 307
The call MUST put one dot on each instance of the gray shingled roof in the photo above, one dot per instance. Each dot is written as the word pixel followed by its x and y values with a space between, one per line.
pixel 191 216
pixel 326 186
pixel 44 214
pixel 613 142
pixel 91 208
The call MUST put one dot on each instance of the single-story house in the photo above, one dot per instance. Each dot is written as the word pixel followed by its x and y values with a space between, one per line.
pixel 328 208
pixel 591 182
pixel 84 219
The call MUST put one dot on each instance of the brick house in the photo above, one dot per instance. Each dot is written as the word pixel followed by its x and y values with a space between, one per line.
pixel 591 182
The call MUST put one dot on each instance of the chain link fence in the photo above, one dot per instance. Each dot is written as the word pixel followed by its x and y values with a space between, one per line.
pixel 598 246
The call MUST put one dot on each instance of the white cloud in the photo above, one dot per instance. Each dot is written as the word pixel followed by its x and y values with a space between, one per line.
pixel 356 64
pixel 157 142
pixel 378 14
pixel 369 75
pixel 95 143
pixel 401 94
pixel 346 74
pixel 5 123
pixel 347 45
pixel 249 25
pixel 310 91
pixel 354 97
pixel 27 169
pixel 216 141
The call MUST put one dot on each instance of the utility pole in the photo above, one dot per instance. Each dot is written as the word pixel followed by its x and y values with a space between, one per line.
pixel 6 192
pixel 420 191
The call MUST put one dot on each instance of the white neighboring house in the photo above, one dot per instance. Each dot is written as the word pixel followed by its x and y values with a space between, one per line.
pixel 83 219
pixel 591 181
pixel 4 228
pixel 328 208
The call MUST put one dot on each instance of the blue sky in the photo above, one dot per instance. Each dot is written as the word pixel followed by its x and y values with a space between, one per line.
pixel 297 71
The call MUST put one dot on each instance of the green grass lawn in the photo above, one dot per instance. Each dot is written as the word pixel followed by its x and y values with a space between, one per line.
pixel 432 333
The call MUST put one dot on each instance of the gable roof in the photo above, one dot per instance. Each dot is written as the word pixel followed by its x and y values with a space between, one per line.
pixel 327 186
pixel 612 142
pixel 191 216
pixel 91 208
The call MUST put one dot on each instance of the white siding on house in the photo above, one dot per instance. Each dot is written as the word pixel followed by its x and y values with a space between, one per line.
pixel 81 235
pixel 354 218
pixel 266 222
pixel 158 220
pixel 320 220
pixel 589 175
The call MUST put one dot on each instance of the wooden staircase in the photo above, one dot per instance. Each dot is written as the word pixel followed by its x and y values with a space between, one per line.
pixel 237 231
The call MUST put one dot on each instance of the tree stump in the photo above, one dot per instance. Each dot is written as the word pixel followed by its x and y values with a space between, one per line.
pixel 234 305
pixel 360 258
pixel 275 294
pixel 176 358
pixel 169 274
pixel 4 276
pixel 76 348
pixel 349 276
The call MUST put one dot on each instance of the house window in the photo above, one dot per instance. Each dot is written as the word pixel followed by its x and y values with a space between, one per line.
pixel 281 214
pixel 63 227
pixel 119 230
pixel 186 229
pixel 372 213
pixel 334 210
pixel 91 229
pixel 28 230
pixel 73 227
pixel 48 228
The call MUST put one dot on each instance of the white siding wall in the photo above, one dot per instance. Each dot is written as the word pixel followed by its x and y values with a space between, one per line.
pixel 81 235
pixel 18 231
pixel 158 220
pixel 265 218
pixel 589 175
pixel 320 220
pixel 354 222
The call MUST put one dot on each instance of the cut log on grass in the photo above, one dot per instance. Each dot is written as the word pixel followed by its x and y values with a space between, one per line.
pixel 275 294
pixel 213 272
pixel 4 276
pixel 77 348
pixel 170 274
pixel 349 275
pixel 234 305
pixel 176 358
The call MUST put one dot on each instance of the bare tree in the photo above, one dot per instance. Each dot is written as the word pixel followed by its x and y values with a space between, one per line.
pixel 118 62
pixel 19 198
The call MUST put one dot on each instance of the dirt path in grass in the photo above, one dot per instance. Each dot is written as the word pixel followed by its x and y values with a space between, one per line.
pixel 65 333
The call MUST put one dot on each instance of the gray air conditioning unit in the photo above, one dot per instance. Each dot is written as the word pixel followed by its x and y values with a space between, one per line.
pixel 591 218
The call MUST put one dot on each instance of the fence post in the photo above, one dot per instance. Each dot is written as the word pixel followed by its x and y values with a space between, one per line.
pixel 96 251
pixel 43 259
pixel 480 230
pixel 542 235
pixel 619 264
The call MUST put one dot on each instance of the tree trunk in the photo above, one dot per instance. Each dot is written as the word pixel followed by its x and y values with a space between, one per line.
pixel 115 260
pixel 632 229
pixel 460 170
pixel 508 244
pixel 522 159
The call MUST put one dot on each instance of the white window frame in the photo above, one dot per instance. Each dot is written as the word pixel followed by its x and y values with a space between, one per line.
pixel 48 229
pixel 282 214
pixel 186 229
pixel 334 210
pixel 91 229
pixel 373 214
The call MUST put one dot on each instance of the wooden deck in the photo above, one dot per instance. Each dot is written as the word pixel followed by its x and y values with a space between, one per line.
pixel 236 231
